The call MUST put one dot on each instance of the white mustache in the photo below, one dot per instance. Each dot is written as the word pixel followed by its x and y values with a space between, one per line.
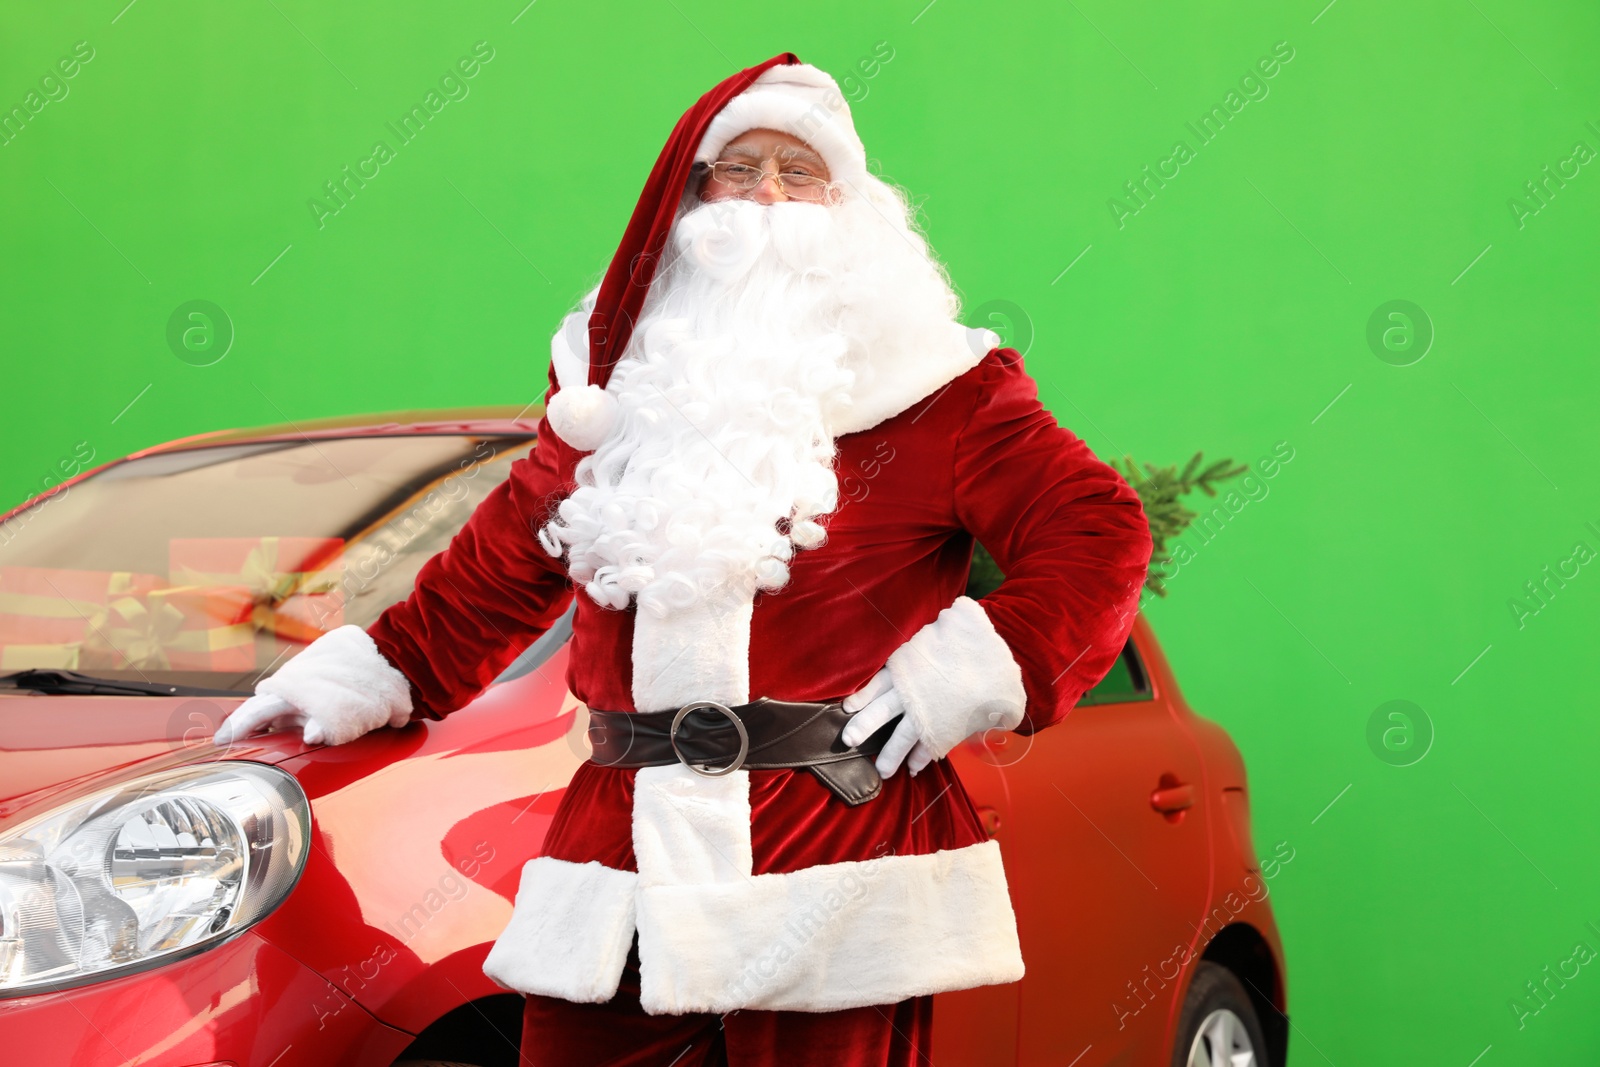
pixel 724 239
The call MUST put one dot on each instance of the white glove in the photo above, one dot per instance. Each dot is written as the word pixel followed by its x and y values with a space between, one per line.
pixel 954 678
pixel 260 711
pixel 875 704
pixel 338 689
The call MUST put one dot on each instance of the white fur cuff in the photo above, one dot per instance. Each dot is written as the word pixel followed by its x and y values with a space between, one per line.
pixel 343 682
pixel 569 931
pixel 957 676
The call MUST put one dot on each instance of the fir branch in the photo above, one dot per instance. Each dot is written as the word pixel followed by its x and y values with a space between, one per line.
pixel 1159 489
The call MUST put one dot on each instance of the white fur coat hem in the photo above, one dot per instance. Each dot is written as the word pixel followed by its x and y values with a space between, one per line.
pixel 569 932
pixel 833 936
pixel 715 937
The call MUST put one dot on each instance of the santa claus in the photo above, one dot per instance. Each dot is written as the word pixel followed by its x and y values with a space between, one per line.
pixel 767 448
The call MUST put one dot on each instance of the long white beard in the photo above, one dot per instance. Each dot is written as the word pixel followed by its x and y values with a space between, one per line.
pixel 756 329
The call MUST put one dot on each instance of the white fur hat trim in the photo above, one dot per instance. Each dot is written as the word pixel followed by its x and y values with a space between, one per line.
pixel 797 99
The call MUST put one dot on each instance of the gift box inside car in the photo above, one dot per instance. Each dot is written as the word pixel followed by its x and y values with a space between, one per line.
pixel 282 590
pixel 227 604
pixel 207 577
pixel 58 617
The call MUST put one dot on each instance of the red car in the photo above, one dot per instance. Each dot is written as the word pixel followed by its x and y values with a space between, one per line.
pixel 167 902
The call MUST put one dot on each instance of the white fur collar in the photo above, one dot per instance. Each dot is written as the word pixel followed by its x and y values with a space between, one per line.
pixel 903 378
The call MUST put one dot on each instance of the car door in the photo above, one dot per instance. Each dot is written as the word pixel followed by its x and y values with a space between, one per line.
pixel 1105 845
pixel 978 1027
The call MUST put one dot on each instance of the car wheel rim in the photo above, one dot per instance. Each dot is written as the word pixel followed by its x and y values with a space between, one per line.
pixel 1222 1041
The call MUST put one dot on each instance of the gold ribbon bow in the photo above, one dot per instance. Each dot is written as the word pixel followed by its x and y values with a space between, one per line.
pixel 147 633
pixel 260 574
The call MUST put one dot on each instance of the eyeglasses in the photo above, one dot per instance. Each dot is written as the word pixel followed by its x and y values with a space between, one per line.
pixel 797 185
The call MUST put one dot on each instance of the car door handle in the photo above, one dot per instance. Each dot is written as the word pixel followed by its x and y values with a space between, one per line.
pixel 1172 798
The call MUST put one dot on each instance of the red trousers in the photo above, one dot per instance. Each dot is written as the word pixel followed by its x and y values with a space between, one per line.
pixel 618 1033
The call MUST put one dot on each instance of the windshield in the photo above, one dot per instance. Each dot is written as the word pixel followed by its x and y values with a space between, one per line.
pixel 214 566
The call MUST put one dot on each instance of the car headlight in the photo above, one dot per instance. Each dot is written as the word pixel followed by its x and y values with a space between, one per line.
pixel 149 871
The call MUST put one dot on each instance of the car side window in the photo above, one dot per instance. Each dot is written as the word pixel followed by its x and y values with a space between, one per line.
pixel 1126 681
pixel 534 656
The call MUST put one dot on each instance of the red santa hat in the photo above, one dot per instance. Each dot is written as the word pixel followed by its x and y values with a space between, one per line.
pixel 782 94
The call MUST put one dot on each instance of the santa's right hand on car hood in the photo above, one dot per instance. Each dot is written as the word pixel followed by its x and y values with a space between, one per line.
pixel 257 713
pixel 338 689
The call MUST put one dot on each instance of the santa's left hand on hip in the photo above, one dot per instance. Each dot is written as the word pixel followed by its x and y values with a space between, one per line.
pixel 871 707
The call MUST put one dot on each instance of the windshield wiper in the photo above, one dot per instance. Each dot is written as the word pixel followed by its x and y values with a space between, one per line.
pixel 56 682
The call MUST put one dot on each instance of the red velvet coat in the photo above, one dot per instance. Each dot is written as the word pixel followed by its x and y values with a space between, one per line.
pixel 980 458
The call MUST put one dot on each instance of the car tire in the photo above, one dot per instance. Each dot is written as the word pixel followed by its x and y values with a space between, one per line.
pixel 1218 1023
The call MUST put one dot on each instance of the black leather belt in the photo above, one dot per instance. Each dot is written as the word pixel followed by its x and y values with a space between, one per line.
pixel 715 739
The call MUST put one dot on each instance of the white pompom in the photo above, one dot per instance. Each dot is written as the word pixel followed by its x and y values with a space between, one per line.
pixel 582 417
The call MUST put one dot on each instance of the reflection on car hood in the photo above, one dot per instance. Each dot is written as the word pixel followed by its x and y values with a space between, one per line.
pixel 54 748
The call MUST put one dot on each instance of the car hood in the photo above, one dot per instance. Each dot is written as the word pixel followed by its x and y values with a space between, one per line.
pixel 54 748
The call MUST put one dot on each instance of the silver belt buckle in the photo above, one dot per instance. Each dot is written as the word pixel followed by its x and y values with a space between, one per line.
pixel 744 737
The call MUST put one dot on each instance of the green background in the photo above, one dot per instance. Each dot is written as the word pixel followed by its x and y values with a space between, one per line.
pixel 1228 314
